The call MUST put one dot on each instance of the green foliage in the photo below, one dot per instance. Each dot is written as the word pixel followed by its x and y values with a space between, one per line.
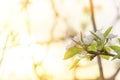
pixel 75 63
pixel 116 56
pixel 117 50
pixel 119 40
pixel 96 36
pixel 93 47
pixel 72 52
pixel 105 57
pixel 100 45
pixel 97 46
pixel 106 33
pixel 107 49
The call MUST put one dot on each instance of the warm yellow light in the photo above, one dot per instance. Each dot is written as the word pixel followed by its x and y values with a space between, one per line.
pixel 38 16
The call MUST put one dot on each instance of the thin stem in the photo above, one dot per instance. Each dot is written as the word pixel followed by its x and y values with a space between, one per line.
pixel 92 16
pixel 100 68
pixel 95 29
pixel 24 7
pixel 4 48
pixel 28 22
pixel 56 16
pixel 99 53
pixel 114 75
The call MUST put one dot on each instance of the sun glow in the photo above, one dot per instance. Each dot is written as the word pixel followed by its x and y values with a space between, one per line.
pixel 24 23
pixel 19 59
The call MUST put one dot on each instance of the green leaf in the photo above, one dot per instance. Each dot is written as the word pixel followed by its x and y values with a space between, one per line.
pixel 107 49
pixel 93 47
pixel 106 33
pixel 100 45
pixel 95 36
pixel 72 52
pixel 75 63
pixel 117 56
pixel 105 57
pixel 116 49
pixel 119 40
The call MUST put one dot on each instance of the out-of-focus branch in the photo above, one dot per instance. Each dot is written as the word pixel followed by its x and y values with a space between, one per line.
pixel 56 16
pixel 51 41
pixel 117 17
pixel 28 23
pixel 114 75
pixel 24 7
pixel 4 49
pixel 25 4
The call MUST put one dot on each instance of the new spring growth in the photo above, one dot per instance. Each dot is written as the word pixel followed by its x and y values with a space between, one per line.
pixel 84 46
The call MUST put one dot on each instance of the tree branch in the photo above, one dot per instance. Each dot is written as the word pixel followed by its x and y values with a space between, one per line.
pixel 24 7
pixel 92 16
pixel 95 29
pixel 56 16
pixel 99 53
pixel 114 75
pixel 4 48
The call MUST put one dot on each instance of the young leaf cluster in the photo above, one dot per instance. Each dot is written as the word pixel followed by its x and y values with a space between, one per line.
pixel 91 46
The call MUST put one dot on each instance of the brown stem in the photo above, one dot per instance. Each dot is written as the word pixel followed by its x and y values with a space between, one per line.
pixel 95 29
pixel 92 16
pixel 100 68
pixel 114 75
pixel 99 53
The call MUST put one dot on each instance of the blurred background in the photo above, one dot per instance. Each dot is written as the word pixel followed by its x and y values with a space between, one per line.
pixel 34 35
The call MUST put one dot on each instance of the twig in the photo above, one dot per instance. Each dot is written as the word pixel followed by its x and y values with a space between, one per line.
pixel 28 23
pixel 95 29
pixel 52 39
pixel 92 16
pixel 52 29
pixel 24 7
pixel 4 48
pixel 117 17
pixel 56 16
pixel 114 75
pixel 99 53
